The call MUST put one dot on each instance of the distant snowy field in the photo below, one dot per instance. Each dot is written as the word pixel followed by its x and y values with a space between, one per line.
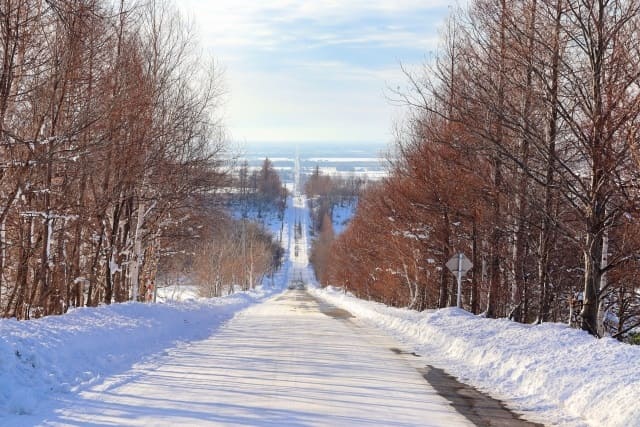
pixel 40 359
pixel 345 160
pixel 550 372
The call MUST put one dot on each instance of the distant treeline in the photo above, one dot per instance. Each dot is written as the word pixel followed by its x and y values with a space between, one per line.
pixel 259 190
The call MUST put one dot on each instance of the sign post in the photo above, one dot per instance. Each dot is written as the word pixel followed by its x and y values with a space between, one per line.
pixel 459 265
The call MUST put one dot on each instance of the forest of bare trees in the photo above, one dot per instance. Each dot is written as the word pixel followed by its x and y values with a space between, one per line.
pixel 223 256
pixel 522 153
pixel 232 249
pixel 326 193
pixel 109 143
pixel 258 191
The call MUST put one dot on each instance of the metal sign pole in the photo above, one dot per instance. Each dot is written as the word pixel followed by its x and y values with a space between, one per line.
pixel 459 300
pixel 459 265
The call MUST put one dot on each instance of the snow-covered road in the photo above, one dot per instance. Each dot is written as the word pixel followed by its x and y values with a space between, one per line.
pixel 290 361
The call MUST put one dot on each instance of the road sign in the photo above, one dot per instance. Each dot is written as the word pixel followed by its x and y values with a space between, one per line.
pixel 459 262
pixel 459 265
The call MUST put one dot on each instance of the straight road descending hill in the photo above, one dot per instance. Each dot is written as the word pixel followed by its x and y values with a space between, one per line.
pixel 290 361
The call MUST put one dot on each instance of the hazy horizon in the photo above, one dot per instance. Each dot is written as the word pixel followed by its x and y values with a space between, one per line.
pixel 306 150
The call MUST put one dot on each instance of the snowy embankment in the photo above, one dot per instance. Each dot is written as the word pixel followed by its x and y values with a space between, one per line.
pixel 547 372
pixel 60 354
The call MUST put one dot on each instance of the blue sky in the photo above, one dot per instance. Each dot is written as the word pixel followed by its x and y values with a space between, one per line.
pixel 313 71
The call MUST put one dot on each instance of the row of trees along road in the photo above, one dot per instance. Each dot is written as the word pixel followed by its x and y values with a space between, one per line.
pixel 229 254
pixel 259 191
pixel 522 152
pixel 326 193
pixel 108 139
pixel 236 253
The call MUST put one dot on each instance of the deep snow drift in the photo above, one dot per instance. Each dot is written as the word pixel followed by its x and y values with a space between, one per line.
pixel 61 354
pixel 549 372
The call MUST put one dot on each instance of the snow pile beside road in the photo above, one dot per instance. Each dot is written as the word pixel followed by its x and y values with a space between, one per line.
pixel 177 293
pixel 59 354
pixel 547 371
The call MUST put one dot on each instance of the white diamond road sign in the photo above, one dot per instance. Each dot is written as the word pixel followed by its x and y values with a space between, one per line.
pixel 459 262
pixel 459 265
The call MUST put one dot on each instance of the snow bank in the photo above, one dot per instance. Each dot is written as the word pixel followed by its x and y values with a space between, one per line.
pixel 59 354
pixel 178 293
pixel 548 371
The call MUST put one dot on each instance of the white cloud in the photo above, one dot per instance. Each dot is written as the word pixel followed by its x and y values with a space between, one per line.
pixel 313 70
pixel 331 103
pixel 259 23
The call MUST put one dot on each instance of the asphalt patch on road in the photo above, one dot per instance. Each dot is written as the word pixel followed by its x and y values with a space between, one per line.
pixel 477 407
pixel 333 311
pixel 336 313
pixel 329 309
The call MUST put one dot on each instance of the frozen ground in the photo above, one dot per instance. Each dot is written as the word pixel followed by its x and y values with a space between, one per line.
pixel 550 373
pixel 48 363
pixel 286 361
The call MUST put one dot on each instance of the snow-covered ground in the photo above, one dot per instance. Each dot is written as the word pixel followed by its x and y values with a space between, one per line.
pixel 200 362
pixel 45 359
pixel 342 214
pixel 279 363
pixel 178 293
pixel 549 372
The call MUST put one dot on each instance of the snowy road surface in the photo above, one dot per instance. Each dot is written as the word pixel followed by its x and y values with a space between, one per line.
pixel 287 362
